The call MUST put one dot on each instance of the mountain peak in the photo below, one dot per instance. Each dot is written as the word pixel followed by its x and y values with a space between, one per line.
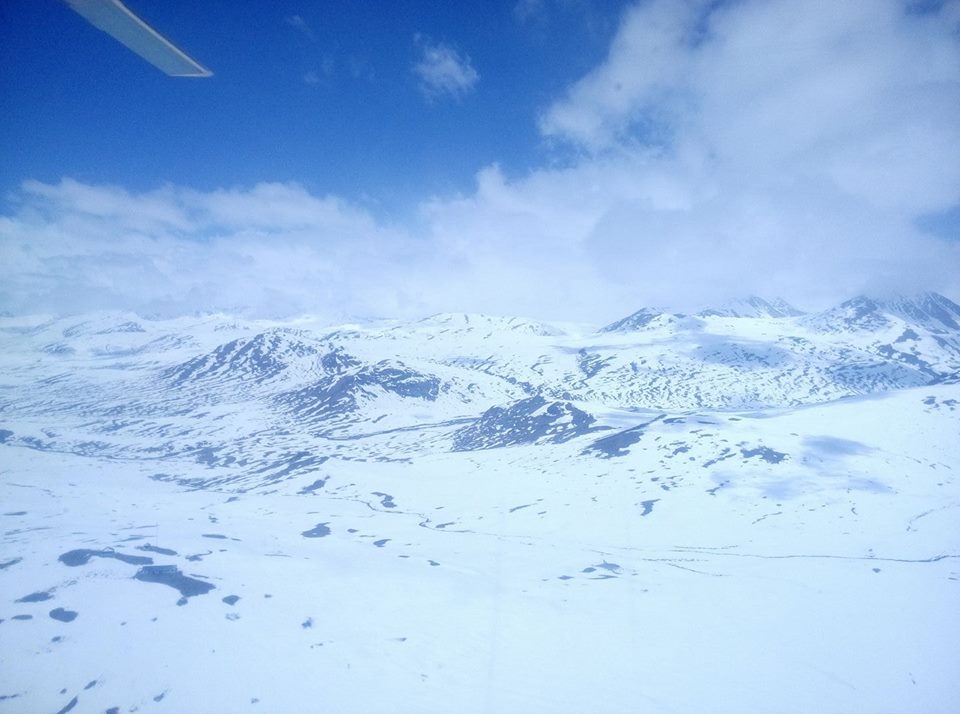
pixel 752 306
pixel 929 309
pixel 636 321
pixel 860 305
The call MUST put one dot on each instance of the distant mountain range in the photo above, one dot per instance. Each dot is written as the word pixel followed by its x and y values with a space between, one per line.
pixel 254 398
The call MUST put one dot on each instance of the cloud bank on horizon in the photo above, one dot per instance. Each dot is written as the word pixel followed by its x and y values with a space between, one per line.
pixel 788 147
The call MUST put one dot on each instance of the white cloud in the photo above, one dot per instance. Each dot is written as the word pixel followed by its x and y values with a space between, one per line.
pixel 272 249
pixel 863 96
pixel 643 78
pixel 779 148
pixel 806 138
pixel 443 71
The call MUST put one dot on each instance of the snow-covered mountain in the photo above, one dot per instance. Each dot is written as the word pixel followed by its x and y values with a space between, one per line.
pixel 651 318
pixel 397 503
pixel 753 306
pixel 269 383
pixel 931 311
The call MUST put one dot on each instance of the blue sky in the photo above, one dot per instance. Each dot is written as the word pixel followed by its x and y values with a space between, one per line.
pixel 322 93
pixel 556 159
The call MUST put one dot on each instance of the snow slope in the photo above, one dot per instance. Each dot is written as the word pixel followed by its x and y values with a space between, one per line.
pixel 718 513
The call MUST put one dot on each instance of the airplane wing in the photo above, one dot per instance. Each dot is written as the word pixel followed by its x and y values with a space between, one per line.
pixel 114 18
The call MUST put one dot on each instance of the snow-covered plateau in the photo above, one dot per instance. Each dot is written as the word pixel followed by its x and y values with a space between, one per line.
pixel 746 509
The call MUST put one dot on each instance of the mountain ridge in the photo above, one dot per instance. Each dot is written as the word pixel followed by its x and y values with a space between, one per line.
pixel 452 381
